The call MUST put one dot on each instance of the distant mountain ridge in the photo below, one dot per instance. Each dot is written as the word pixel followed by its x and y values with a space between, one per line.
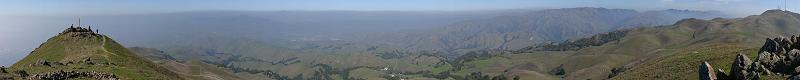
pixel 544 26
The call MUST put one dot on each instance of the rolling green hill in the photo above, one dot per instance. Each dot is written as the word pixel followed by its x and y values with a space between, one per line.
pixel 76 52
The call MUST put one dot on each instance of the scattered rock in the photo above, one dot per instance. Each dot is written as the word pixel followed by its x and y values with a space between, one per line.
pixel 61 75
pixel 21 73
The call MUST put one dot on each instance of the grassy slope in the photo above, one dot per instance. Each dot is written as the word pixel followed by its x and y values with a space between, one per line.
pixel 108 56
pixel 683 64
pixel 743 35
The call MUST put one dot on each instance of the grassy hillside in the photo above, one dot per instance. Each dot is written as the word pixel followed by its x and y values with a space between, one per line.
pixel 664 52
pixel 736 36
pixel 87 52
pixel 683 64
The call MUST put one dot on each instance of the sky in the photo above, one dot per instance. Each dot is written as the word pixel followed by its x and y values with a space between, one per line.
pixel 102 7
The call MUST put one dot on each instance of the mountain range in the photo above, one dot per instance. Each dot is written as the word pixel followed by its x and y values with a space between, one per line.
pixel 541 27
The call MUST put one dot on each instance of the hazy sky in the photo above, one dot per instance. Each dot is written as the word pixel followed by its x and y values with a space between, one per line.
pixel 91 7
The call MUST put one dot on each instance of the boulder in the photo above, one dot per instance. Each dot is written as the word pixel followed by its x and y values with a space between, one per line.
pixel 707 72
pixel 742 68
pixel 769 46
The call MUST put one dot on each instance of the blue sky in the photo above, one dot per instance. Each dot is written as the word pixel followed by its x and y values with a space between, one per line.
pixel 91 7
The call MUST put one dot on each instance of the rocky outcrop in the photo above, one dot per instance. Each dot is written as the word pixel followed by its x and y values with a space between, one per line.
pixel 741 69
pixel 780 55
pixel 777 56
pixel 707 72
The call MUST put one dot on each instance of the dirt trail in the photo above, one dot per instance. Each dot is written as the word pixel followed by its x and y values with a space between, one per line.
pixel 103 48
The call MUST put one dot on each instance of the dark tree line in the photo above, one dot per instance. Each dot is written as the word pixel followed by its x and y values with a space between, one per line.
pixel 568 45
pixel 558 70
pixel 481 76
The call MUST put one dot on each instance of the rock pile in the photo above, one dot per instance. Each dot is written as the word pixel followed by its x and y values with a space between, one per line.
pixel 61 75
pixel 781 55
pixel 778 56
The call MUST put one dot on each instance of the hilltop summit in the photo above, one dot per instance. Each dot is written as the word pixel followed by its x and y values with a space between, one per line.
pixel 80 53
pixel 776 11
